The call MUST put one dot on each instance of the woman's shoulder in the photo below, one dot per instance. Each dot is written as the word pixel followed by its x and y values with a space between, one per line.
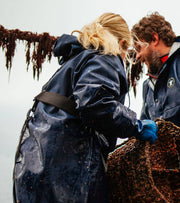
pixel 102 58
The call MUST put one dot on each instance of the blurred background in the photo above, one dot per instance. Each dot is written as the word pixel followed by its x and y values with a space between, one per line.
pixel 17 87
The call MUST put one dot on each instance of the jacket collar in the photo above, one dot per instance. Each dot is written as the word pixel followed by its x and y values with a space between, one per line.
pixel 174 48
pixel 152 79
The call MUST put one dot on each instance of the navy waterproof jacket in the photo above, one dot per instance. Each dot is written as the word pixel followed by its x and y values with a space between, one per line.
pixel 162 99
pixel 61 155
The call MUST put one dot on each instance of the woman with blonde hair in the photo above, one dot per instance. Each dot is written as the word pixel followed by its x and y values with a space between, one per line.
pixel 77 118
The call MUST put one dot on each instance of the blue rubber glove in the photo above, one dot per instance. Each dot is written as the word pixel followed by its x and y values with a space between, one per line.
pixel 148 131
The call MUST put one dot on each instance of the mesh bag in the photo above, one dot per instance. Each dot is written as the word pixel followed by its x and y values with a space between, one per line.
pixel 140 172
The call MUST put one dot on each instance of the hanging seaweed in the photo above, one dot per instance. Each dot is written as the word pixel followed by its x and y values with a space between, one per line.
pixel 134 70
pixel 42 47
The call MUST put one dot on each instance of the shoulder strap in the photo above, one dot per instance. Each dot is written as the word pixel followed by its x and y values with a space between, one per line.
pixel 145 102
pixel 58 101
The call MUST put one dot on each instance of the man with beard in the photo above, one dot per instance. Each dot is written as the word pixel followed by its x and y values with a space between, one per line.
pixel 158 47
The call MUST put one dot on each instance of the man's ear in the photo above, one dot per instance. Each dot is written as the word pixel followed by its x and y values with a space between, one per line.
pixel 155 38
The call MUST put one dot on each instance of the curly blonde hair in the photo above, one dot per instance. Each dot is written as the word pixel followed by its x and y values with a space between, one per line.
pixel 105 34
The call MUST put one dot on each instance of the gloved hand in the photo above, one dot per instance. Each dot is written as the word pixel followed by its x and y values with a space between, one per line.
pixel 147 130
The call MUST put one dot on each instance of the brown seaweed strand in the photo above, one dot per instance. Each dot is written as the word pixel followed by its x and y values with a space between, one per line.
pixel 134 70
pixel 43 46
pixel 28 57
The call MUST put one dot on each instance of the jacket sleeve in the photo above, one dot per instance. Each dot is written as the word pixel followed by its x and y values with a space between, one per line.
pixel 97 94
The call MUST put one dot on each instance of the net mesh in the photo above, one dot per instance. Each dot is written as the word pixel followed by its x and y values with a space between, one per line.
pixel 140 172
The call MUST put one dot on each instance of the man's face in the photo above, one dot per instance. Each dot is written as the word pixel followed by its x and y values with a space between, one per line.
pixel 147 54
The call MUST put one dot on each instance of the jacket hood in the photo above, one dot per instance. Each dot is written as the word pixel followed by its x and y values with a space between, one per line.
pixel 66 47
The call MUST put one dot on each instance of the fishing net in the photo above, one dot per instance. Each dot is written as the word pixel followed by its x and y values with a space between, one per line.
pixel 141 172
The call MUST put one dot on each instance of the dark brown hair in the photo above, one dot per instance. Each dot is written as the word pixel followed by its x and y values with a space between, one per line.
pixel 154 22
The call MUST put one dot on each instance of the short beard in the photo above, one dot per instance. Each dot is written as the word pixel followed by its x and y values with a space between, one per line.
pixel 155 63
